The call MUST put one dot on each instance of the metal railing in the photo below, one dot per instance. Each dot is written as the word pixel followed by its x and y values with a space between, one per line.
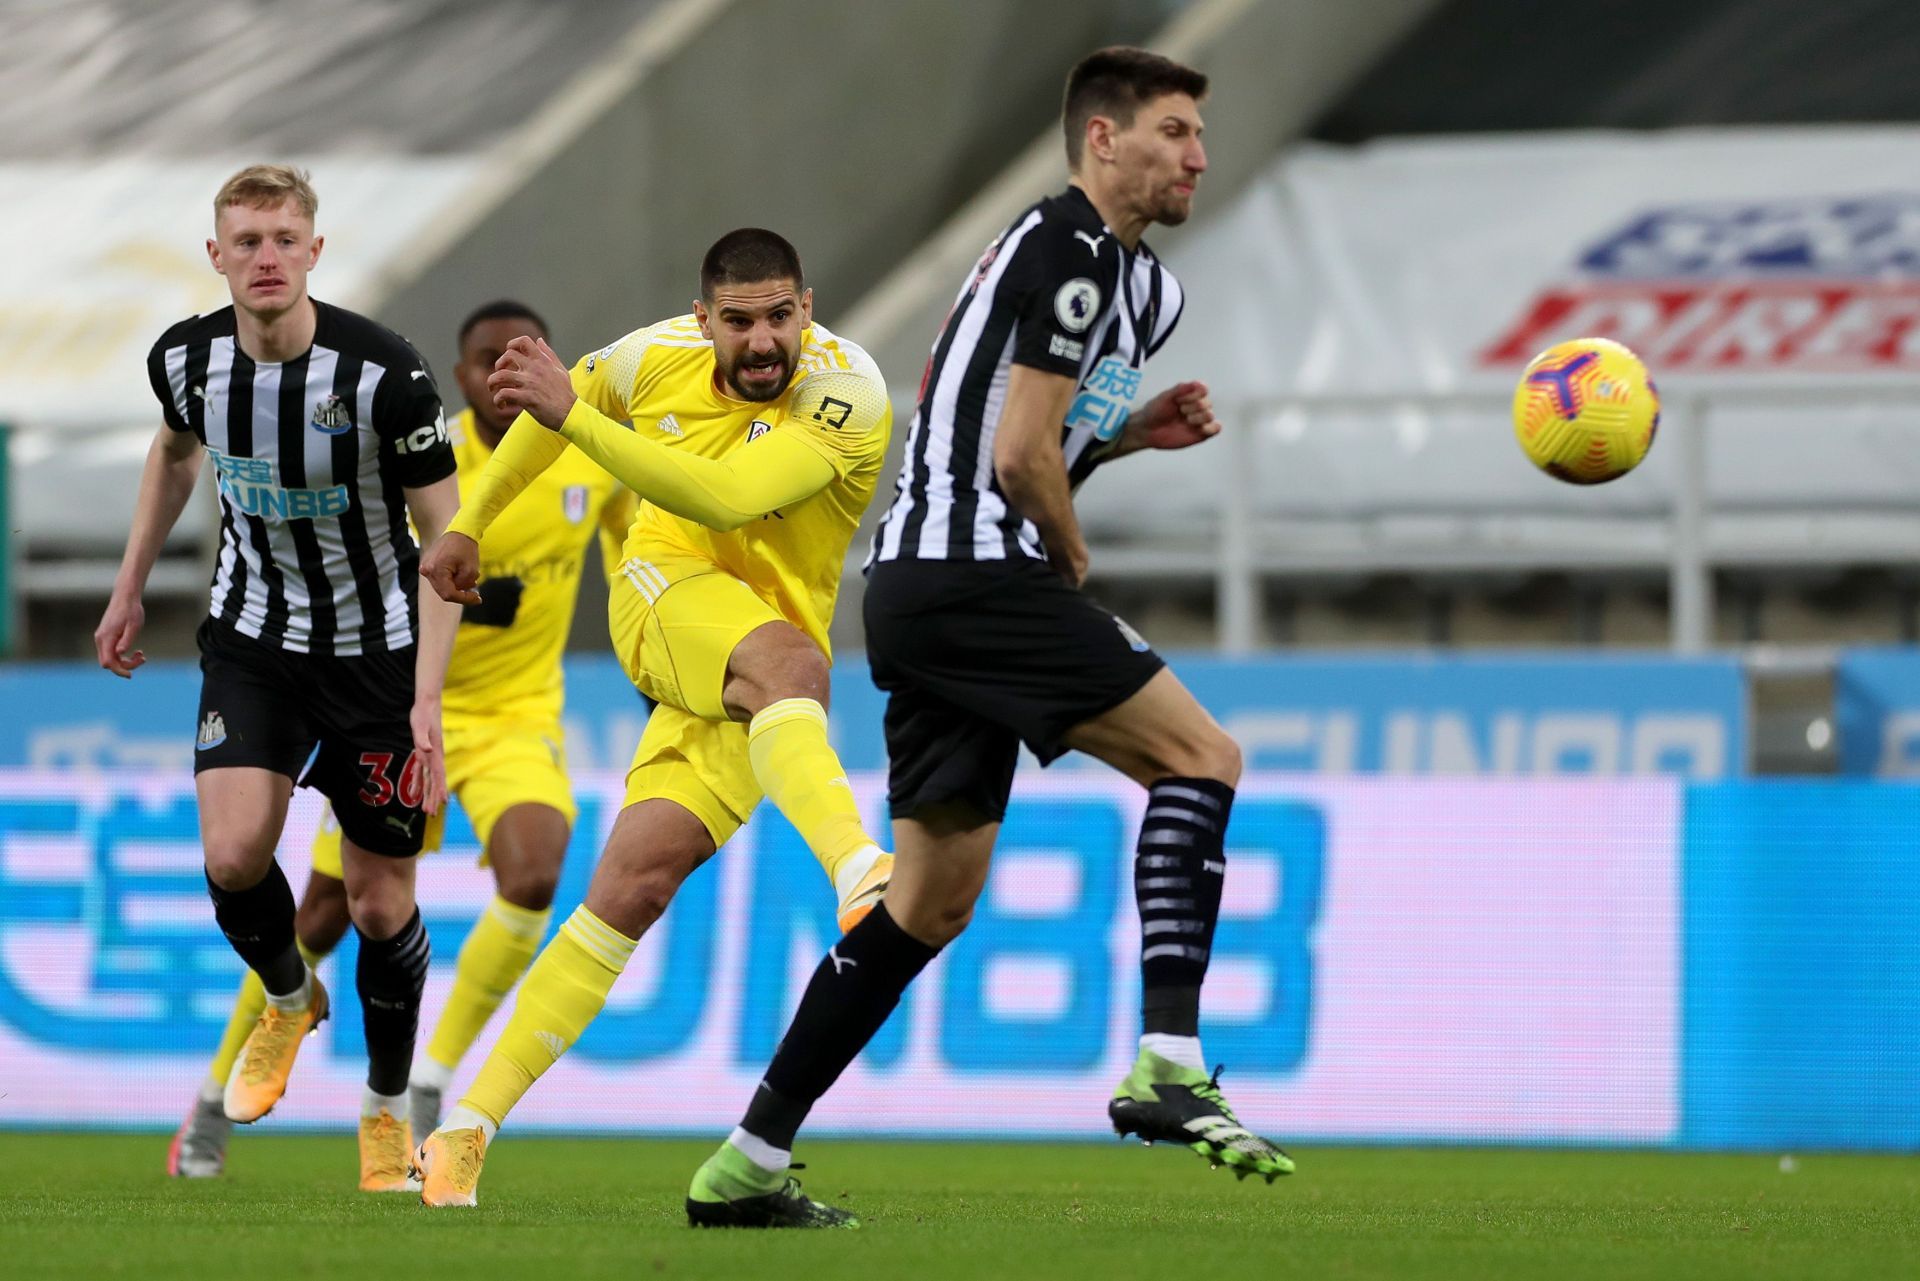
pixel 1678 531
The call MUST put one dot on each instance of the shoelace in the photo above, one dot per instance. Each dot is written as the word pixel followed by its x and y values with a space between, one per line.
pixel 264 1051
pixel 463 1159
pixel 386 1147
pixel 1211 1093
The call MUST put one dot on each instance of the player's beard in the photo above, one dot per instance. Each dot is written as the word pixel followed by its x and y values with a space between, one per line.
pixel 761 394
pixel 1172 209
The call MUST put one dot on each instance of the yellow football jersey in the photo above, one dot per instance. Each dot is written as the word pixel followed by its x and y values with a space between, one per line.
pixel 661 378
pixel 506 657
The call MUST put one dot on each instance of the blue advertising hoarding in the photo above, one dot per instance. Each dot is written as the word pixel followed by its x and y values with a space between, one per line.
pixel 1876 699
pixel 1566 960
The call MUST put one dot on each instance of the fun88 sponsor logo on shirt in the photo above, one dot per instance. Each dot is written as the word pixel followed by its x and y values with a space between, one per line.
pixel 1816 285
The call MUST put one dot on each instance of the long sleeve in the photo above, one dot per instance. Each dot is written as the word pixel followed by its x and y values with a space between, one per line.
pixel 525 451
pixel 776 471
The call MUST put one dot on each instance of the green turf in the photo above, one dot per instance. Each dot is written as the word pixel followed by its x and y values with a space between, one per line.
pixel 568 1210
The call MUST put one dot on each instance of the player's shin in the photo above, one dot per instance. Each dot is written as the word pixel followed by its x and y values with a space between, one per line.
pixel 497 952
pixel 563 992
pixel 258 922
pixel 392 976
pixel 857 985
pixel 1179 871
pixel 801 774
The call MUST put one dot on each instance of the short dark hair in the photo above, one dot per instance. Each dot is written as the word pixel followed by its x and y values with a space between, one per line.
pixel 1116 82
pixel 747 256
pixel 501 309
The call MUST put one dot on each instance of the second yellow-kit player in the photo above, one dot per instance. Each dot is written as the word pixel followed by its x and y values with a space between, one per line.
pixel 505 764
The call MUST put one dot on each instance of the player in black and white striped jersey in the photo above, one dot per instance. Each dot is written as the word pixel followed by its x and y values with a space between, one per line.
pixel 326 433
pixel 979 632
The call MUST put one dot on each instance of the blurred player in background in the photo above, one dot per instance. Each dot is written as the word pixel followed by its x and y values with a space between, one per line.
pixel 502 705
pixel 757 442
pixel 326 432
pixel 978 630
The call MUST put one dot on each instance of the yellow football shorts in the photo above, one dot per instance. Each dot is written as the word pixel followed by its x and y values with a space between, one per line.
pixel 493 764
pixel 675 619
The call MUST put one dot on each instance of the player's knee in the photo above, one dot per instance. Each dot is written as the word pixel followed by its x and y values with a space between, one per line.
pixel 934 921
pixel 633 900
pixel 382 911
pixel 1220 759
pixel 234 865
pixel 529 885
pixel 948 922
pixel 776 663
pixel 1207 752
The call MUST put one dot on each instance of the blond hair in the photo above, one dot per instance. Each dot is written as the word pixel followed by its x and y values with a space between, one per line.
pixel 264 186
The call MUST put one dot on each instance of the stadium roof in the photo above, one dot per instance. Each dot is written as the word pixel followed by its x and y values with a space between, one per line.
pixel 90 78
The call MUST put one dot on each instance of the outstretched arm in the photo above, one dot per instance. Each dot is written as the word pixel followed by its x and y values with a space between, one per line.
pixel 776 471
pixel 524 452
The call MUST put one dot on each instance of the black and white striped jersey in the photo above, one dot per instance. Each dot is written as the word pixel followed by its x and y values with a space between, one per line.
pixel 312 457
pixel 1054 291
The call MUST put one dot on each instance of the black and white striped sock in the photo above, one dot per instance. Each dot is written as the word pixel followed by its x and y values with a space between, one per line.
pixel 392 976
pixel 1178 871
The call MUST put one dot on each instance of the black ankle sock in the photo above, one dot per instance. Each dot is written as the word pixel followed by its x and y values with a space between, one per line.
pixel 258 921
pixel 1178 874
pixel 392 975
pixel 856 987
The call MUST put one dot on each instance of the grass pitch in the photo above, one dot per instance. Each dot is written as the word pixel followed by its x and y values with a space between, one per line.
pixel 572 1210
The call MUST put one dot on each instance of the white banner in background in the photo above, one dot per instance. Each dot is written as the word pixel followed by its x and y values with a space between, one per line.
pixel 98 258
pixel 1435 264
pixel 1397 959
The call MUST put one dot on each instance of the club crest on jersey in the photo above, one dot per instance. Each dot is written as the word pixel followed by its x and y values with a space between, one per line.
pixel 330 416
pixel 573 503
pixel 757 428
pixel 1077 303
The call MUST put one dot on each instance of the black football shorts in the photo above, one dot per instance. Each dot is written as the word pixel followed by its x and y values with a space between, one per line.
pixel 270 708
pixel 977 657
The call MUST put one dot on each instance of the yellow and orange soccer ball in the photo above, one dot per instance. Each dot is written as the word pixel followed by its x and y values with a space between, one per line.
pixel 1586 411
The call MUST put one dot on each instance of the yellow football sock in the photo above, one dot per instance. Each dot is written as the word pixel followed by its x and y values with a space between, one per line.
pixel 564 991
pixel 492 960
pixel 246 1012
pixel 801 774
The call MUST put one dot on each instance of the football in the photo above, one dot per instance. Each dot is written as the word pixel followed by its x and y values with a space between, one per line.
pixel 1585 411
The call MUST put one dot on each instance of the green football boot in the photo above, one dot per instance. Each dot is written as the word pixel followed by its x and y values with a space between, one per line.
pixel 1163 1102
pixel 730 1191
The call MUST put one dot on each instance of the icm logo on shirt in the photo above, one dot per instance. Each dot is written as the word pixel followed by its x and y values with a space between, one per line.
pixel 1820 284
pixel 330 416
pixel 252 486
pixel 421 439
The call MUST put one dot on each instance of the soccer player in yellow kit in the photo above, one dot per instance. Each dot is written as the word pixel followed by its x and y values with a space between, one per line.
pixel 757 441
pixel 501 713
